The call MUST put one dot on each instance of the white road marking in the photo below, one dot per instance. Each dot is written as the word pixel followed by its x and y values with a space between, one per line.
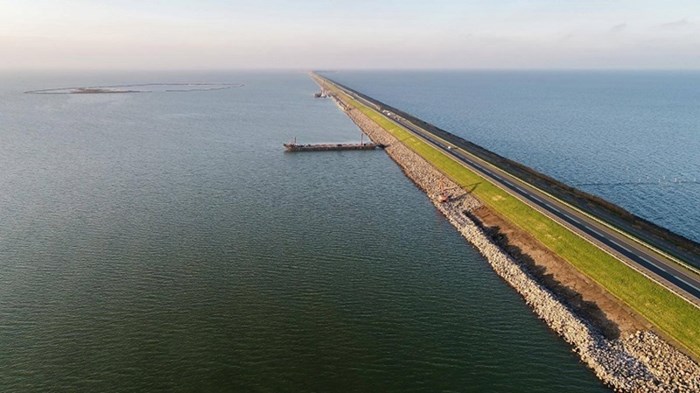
pixel 595 231
pixel 572 218
pixel 688 284
pixel 624 248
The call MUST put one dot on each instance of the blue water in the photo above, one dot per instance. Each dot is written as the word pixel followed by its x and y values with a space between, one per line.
pixel 632 138
pixel 165 242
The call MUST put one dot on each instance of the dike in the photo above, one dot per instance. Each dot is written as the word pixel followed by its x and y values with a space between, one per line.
pixel 640 362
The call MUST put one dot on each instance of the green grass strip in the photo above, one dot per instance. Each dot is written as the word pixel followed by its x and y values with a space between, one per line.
pixel 668 312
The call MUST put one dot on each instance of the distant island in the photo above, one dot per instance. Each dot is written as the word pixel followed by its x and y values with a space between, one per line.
pixel 97 90
pixel 138 88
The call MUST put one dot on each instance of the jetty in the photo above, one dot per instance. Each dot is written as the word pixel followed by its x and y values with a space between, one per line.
pixel 293 146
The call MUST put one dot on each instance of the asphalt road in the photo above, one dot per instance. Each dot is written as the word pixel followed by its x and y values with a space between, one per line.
pixel 655 265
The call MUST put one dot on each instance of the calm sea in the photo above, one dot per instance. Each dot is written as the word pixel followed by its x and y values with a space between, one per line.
pixel 632 138
pixel 165 242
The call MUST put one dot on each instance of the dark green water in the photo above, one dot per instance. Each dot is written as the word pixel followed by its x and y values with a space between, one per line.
pixel 164 242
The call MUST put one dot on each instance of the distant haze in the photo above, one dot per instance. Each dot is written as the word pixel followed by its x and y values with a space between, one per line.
pixel 219 34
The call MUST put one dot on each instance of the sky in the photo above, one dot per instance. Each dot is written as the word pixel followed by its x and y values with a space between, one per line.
pixel 357 34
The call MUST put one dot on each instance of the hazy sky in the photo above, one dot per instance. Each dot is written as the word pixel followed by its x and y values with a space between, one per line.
pixel 219 34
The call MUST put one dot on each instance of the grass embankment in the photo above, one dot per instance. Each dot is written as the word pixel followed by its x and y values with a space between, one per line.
pixel 671 314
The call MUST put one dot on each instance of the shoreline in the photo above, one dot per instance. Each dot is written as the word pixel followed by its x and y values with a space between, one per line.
pixel 636 361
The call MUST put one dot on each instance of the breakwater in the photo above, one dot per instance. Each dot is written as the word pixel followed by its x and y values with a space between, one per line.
pixel 639 361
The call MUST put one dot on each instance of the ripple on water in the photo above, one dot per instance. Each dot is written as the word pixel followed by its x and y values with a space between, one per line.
pixel 161 255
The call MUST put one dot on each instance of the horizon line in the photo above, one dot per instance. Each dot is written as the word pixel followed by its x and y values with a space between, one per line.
pixel 353 69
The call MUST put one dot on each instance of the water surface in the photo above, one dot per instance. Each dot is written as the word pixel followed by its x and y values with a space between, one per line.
pixel 164 242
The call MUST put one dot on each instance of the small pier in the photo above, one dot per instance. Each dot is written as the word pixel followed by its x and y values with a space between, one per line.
pixel 293 146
